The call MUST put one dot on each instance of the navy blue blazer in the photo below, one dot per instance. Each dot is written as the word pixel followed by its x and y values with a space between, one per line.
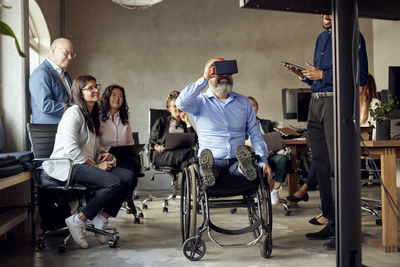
pixel 48 94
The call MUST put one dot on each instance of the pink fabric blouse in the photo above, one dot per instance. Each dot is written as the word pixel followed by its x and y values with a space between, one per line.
pixel 114 133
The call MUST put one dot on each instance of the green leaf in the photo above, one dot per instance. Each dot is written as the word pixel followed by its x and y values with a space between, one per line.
pixel 3 5
pixel 6 30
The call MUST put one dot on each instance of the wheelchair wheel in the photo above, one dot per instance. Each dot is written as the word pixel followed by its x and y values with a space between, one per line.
pixel 266 208
pixel 266 247
pixel 194 249
pixel 188 207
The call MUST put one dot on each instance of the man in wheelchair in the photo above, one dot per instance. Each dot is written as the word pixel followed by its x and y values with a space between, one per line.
pixel 227 167
pixel 223 119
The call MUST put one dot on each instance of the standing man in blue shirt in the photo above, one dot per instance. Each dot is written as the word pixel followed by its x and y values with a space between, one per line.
pixel 320 120
pixel 223 118
pixel 50 84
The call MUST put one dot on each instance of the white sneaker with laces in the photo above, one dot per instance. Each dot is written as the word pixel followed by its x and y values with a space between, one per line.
pixel 100 224
pixel 77 231
pixel 275 197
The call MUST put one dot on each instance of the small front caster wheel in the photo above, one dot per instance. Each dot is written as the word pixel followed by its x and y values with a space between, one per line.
pixel 194 248
pixel 112 243
pixel 61 248
pixel 144 207
pixel 165 209
pixel 136 221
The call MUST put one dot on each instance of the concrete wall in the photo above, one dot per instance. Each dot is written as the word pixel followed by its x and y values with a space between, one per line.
pixel 51 10
pixel 14 74
pixel 386 49
pixel 151 52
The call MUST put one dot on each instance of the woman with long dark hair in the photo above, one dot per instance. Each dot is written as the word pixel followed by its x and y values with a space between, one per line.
pixel 115 129
pixel 368 99
pixel 77 138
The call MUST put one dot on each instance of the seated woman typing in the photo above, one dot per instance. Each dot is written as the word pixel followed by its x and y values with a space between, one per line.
pixel 177 122
pixel 77 138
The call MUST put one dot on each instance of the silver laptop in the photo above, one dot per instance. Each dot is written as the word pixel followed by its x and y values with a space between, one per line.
pixel 179 140
pixel 274 141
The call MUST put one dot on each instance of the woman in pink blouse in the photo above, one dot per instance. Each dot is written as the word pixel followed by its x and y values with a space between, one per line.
pixel 115 128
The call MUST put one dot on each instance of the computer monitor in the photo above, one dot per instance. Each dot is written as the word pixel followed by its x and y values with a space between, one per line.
pixel 295 103
pixel 394 86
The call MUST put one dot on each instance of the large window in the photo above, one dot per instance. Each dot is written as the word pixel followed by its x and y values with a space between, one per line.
pixel 39 36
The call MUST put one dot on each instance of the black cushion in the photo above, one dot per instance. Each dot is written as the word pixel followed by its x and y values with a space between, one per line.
pixel 232 185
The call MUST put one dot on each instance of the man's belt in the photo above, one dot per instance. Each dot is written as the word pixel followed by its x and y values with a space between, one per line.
pixel 321 94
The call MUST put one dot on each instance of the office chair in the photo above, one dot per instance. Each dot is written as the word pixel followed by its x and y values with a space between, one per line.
pixel 154 114
pixel 129 205
pixel 42 138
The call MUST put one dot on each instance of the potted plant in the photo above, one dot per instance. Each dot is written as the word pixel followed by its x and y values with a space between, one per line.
pixel 381 113
pixel 6 30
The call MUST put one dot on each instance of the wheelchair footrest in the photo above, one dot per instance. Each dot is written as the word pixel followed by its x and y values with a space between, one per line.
pixel 247 229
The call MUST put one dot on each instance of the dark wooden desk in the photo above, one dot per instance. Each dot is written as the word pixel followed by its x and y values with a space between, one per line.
pixel 388 151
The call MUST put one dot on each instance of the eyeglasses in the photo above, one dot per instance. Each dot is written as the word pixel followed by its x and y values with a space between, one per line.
pixel 91 88
pixel 67 53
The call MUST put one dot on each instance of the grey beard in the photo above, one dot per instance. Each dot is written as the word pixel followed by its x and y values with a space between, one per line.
pixel 223 89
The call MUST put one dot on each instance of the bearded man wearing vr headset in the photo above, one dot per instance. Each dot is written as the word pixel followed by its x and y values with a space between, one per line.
pixel 223 119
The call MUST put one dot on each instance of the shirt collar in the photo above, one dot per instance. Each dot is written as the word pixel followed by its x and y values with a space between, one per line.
pixel 55 66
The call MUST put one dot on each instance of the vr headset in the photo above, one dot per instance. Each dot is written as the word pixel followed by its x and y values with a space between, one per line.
pixel 222 66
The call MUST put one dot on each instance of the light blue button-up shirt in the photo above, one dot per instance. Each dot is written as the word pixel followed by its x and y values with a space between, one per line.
pixel 222 125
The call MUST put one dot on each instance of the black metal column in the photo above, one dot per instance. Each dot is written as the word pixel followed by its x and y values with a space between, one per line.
pixel 347 140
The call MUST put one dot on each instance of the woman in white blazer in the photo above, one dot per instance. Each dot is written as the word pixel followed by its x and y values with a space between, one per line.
pixel 77 138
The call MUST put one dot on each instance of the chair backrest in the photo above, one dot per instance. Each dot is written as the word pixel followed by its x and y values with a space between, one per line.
pixel 42 138
pixel 154 114
pixel 135 136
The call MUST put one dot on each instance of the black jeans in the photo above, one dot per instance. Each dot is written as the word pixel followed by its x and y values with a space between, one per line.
pixel 177 158
pixel 320 138
pixel 113 187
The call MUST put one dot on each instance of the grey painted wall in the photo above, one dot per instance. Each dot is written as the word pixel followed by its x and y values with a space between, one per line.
pixel 151 52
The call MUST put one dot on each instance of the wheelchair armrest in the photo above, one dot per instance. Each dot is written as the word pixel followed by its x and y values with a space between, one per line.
pixel 71 163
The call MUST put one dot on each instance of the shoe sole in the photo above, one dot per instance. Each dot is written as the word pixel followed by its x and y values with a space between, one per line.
pixel 206 162
pixel 319 238
pixel 246 163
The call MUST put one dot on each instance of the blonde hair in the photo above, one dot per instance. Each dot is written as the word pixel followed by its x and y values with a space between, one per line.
pixel 171 96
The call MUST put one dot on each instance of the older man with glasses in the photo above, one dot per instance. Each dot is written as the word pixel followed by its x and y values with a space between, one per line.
pixel 50 84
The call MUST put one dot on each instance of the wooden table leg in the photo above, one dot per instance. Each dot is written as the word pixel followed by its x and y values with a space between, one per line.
pixel 389 218
pixel 292 177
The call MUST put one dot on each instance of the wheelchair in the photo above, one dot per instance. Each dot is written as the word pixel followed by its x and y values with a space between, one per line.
pixel 196 201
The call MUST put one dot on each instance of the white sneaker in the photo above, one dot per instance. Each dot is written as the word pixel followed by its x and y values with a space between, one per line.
pixel 275 197
pixel 77 231
pixel 100 224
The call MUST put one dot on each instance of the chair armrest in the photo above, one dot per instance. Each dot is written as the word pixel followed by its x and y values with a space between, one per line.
pixel 71 164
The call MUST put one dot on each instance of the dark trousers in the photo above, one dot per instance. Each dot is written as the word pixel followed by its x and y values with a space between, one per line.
pixel 320 137
pixel 113 187
pixel 279 164
pixel 177 159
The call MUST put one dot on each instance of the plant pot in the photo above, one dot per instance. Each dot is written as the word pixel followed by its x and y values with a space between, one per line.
pixel 383 130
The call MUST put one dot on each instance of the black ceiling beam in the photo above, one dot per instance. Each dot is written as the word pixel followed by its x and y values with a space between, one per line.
pixel 382 9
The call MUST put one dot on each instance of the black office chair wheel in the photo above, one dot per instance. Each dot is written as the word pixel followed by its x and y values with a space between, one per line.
pixel 286 212
pixel 116 235
pixel 234 210
pixel 166 202
pixel 378 222
pixel 266 247
pixel 61 248
pixel 112 243
pixel 194 248
pixel 144 206
pixel 40 243
pixel 165 209
pixel 136 220
pixel 141 215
